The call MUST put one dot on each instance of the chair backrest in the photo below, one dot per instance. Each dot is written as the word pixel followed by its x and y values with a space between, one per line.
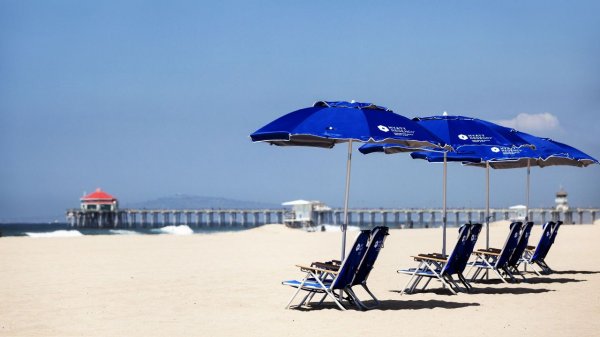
pixel 552 238
pixel 455 258
pixel 555 230
pixel 468 249
pixel 521 245
pixel 509 245
pixel 542 247
pixel 352 261
pixel 378 235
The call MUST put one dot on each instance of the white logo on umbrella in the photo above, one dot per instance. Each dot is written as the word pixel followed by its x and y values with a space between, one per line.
pixel 463 137
pixel 383 128
pixel 495 149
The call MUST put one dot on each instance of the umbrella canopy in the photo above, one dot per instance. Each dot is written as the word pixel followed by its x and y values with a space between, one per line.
pixel 547 152
pixel 462 134
pixel 327 123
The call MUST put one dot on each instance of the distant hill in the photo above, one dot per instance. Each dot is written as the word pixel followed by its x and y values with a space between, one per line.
pixel 184 201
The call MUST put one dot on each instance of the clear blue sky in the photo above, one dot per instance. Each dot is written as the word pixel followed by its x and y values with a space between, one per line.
pixel 152 98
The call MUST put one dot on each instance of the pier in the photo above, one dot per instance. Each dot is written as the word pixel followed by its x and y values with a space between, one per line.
pixel 362 217
pixel 197 218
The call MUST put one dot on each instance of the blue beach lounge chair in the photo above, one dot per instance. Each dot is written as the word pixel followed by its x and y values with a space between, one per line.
pixel 497 260
pixel 541 261
pixel 537 255
pixel 376 241
pixel 515 258
pixel 440 267
pixel 326 281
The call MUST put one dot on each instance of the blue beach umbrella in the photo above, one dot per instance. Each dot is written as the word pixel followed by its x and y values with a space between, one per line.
pixel 462 134
pixel 547 152
pixel 328 123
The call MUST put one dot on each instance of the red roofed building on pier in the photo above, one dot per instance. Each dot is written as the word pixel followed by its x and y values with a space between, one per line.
pixel 99 201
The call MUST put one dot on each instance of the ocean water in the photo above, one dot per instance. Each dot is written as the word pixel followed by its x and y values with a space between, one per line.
pixel 47 230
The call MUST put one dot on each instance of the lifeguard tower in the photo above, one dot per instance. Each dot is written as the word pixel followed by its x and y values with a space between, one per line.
pixel 305 214
pixel 562 204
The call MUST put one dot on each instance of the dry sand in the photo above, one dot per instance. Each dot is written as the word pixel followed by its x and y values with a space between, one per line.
pixel 228 284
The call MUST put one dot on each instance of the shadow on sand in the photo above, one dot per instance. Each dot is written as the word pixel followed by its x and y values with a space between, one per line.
pixel 529 280
pixel 582 272
pixel 547 280
pixel 487 290
pixel 396 305
pixel 422 304
pixel 508 290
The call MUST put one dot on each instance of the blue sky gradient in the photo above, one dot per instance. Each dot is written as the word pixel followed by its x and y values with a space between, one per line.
pixel 152 98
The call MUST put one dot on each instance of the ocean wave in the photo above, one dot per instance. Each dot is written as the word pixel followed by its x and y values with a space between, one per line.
pixel 122 232
pixel 56 234
pixel 176 230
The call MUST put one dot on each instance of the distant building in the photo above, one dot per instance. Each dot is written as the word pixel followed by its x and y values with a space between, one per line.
pixel 518 212
pixel 562 204
pixel 97 210
pixel 99 201
pixel 306 214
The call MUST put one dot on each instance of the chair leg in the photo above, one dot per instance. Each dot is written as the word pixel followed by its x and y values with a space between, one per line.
pixel 412 276
pixel 515 270
pixel 370 293
pixel 339 304
pixel 475 274
pixel 464 281
pixel 357 302
pixel 509 274
pixel 323 298
pixel 427 283
pixel 330 293
pixel 415 284
pixel 528 263
pixel 470 269
pixel 454 284
pixel 545 267
pixel 297 291
pixel 441 278
pixel 306 299
pixel 448 285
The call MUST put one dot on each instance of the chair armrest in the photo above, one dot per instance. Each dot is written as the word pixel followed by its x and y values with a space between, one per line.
pixel 429 258
pixel 305 268
pixel 326 265
pixel 436 255
pixel 486 252
pixel 530 248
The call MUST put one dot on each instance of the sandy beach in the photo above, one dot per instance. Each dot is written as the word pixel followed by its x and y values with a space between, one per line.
pixel 228 284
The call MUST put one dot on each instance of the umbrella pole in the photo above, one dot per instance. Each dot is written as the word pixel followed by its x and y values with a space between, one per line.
pixel 444 215
pixel 346 197
pixel 527 194
pixel 487 205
